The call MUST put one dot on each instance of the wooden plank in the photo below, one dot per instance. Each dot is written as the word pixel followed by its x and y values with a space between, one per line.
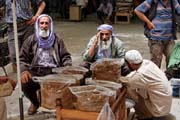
pixel 76 115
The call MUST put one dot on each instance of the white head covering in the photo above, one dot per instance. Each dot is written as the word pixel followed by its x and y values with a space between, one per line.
pixel 133 56
pixel 106 27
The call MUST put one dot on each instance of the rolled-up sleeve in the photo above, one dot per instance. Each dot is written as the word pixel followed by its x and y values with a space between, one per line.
pixel 145 6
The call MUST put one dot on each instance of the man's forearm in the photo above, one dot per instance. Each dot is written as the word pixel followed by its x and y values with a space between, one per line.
pixel 141 16
pixel 40 8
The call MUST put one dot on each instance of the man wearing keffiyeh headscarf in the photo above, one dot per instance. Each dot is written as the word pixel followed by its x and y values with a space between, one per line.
pixel 41 52
pixel 103 45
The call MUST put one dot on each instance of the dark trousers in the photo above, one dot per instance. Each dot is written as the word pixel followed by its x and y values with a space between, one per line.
pixel 102 17
pixel 30 90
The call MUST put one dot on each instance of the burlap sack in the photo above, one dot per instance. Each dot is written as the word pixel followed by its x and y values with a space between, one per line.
pixel 92 97
pixel 106 69
pixel 54 87
pixel 6 89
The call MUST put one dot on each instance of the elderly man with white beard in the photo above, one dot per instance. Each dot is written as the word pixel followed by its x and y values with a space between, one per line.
pixel 41 52
pixel 103 45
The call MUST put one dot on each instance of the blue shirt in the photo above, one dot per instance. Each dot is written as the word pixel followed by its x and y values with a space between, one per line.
pixel 162 20
pixel 24 9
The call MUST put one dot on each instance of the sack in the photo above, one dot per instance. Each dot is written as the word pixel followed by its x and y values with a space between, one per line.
pixel 6 89
pixel 106 113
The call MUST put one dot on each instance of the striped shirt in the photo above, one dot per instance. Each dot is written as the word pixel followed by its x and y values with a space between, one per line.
pixel 24 10
pixel 162 20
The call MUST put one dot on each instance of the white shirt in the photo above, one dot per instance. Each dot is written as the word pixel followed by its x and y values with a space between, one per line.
pixel 152 84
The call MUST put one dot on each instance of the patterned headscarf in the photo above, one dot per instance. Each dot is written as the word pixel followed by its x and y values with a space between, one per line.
pixel 48 43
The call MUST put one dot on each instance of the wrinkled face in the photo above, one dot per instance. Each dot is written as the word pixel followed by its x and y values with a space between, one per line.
pixel 105 35
pixel 44 25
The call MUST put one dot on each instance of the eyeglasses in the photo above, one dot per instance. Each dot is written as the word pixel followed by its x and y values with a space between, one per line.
pixel 46 23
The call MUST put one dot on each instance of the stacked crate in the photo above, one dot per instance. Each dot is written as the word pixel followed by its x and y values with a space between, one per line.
pixel 124 11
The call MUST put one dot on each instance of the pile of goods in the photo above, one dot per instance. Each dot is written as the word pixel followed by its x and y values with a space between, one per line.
pixel 106 69
pixel 84 97
pixel 71 70
pixel 54 87
pixel 104 83
pixel 66 85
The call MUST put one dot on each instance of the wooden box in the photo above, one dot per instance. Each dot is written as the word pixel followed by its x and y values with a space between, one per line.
pixel 75 13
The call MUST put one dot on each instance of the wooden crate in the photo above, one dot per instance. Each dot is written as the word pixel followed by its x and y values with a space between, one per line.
pixel 75 13
pixel 118 108
pixel 123 17
pixel 124 12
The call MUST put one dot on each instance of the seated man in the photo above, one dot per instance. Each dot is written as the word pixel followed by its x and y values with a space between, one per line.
pixel 148 86
pixel 3 111
pixel 103 45
pixel 105 11
pixel 40 52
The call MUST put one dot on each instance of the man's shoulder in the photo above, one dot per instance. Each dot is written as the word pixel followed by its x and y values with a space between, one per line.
pixel 117 40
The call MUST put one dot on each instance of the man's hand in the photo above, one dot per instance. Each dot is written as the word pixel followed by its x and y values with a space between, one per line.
pixel 26 76
pixel 150 25
pixel 96 39
pixel 32 20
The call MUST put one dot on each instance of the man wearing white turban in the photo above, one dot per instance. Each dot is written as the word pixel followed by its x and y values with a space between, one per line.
pixel 149 85
pixel 103 45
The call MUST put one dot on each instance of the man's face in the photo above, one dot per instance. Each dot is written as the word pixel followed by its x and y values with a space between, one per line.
pixel 105 35
pixel 44 24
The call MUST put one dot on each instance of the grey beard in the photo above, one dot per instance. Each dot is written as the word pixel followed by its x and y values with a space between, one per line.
pixel 43 33
pixel 105 44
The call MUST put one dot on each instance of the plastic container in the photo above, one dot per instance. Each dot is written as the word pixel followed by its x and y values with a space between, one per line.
pixel 175 83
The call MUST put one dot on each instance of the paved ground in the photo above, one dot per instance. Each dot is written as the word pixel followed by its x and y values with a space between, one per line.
pixel 76 35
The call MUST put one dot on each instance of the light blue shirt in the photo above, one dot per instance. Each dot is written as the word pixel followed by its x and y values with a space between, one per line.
pixel 162 20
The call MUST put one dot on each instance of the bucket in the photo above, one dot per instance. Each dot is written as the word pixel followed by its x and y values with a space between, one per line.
pixel 175 83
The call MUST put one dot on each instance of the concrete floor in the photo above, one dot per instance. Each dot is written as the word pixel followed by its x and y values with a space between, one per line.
pixel 76 35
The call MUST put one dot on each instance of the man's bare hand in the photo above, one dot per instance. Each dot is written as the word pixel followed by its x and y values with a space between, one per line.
pixel 26 76
pixel 150 25
pixel 97 38
pixel 32 20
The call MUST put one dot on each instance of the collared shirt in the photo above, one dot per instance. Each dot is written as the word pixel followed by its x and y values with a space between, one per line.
pixel 151 84
pixel 162 20
pixel 24 10
pixel 117 50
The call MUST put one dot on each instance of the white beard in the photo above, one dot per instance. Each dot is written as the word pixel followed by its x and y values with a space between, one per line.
pixel 43 33
pixel 106 44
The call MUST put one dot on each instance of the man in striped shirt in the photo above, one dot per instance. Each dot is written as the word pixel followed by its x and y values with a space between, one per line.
pixel 160 28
